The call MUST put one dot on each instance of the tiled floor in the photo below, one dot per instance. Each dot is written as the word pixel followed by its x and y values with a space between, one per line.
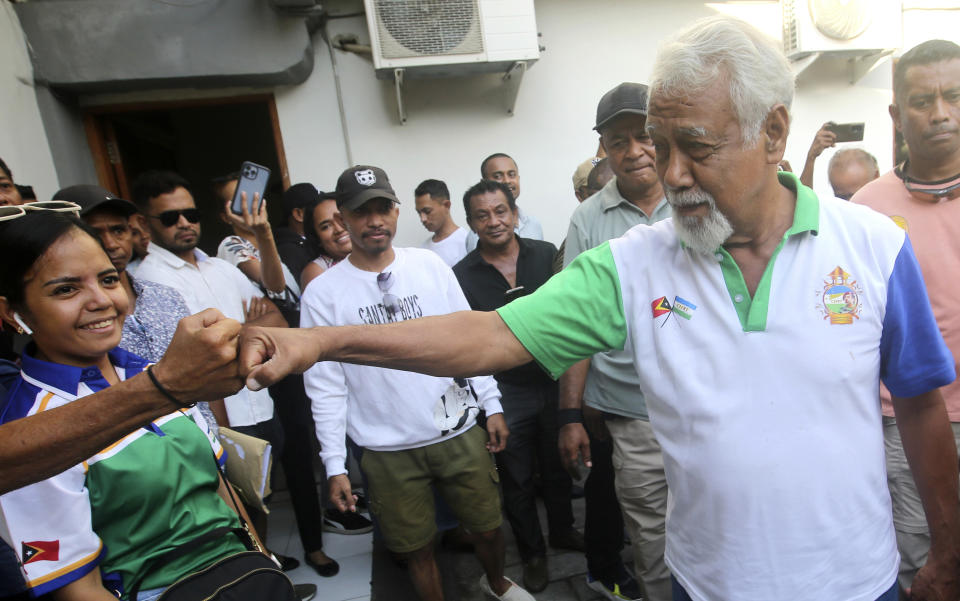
pixel 460 572
pixel 353 553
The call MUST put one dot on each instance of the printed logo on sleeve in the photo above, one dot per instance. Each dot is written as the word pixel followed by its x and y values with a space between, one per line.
pixel 840 297
pixel 40 550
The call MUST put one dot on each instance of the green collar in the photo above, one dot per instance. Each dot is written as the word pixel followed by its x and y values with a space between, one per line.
pixel 806 218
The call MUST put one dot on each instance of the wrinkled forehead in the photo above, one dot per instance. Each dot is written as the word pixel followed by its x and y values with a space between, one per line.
pixel 691 113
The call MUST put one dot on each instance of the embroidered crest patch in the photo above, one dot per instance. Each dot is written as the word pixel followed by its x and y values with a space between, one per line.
pixel 840 298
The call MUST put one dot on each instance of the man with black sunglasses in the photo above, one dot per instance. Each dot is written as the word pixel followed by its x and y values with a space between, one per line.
pixel 922 196
pixel 416 431
pixel 173 259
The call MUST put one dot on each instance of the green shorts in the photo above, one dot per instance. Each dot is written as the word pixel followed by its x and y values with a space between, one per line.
pixel 401 499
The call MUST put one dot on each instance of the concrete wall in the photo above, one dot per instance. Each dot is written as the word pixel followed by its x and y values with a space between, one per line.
pixel 96 45
pixel 23 141
pixel 454 123
pixel 590 47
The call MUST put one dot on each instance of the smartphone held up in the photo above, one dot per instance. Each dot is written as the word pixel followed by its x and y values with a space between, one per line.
pixel 847 132
pixel 252 184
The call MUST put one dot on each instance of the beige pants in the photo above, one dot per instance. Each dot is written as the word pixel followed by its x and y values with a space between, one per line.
pixel 642 492
pixel 913 538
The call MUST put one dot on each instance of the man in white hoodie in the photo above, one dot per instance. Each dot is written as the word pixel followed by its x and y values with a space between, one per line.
pixel 416 430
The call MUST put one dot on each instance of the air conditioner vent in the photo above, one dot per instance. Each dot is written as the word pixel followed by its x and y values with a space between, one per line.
pixel 410 28
pixel 853 27
pixel 790 34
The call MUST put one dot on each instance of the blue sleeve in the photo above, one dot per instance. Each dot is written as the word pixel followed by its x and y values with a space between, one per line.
pixel 914 359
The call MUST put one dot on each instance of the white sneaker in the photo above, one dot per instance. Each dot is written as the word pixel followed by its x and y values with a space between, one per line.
pixel 514 593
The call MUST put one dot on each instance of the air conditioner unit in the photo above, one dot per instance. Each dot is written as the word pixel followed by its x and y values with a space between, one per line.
pixel 852 27
pixel 436 38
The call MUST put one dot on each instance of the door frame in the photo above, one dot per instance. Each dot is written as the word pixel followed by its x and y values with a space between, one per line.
pixel 108 161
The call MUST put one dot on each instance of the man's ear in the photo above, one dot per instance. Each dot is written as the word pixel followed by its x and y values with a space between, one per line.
pixel 895 115
pixel 446 203
pixel 297 214
pixel 776 128
pixel 338 217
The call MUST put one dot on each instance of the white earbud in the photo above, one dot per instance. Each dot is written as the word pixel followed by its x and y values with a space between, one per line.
pixel 19 320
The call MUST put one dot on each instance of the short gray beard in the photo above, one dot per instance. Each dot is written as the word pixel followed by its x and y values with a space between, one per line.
pixel 701 234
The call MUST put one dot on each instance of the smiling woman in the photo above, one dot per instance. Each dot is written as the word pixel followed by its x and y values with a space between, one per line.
pixel 70 295
pixel 144 512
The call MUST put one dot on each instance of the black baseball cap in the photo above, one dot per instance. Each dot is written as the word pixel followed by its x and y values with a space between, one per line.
pixel 92 198
pixel 361 183
pixel 626 98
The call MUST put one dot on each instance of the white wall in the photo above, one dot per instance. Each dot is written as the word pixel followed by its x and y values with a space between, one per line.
pixel 23 142
pixel 454 123
pixel 590 47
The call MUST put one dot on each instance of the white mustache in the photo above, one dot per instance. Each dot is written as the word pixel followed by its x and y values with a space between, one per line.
pixel 690 196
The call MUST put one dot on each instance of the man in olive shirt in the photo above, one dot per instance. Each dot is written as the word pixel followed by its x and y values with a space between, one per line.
pixel 608 382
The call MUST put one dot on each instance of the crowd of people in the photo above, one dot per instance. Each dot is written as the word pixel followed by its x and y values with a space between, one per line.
pixel 749 444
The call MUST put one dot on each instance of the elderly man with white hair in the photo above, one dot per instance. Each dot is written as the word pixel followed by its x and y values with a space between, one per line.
pixel 762 320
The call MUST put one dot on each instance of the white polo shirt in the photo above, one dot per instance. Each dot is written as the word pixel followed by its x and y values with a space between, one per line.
pixel 765 406
pixel 211 283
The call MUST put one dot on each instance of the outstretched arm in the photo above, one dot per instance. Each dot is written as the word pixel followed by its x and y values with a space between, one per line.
pixel 464 344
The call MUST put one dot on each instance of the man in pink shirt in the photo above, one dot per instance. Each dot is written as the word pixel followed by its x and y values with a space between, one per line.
pixel 921 196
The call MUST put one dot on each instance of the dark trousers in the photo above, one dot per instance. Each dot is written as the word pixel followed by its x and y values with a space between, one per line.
pixel 603 523
pixel 531 415
pixel 292 407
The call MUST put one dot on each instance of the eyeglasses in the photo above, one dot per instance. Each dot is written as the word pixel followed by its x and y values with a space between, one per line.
pixel 10 212
pixel 390 301
pixel 171 218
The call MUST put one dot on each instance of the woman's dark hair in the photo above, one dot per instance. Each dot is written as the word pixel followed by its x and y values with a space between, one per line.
pixel 24 240
pixel 6 170
pixel 313 240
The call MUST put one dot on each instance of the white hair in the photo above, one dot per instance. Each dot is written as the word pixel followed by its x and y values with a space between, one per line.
pixel 757 73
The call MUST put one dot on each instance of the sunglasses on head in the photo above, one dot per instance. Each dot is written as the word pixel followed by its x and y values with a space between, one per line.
pixel 390 301
pixel 54 206
pixel 172 217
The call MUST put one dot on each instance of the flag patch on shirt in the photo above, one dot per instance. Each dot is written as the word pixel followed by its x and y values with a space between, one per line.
pixel 661 306
pixel 680 306
pixel 40 550
pixel 683 308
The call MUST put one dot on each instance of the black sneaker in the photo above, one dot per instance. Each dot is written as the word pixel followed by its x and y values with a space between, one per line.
pixel 286 563
pixel 305 592
pixel 348 522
